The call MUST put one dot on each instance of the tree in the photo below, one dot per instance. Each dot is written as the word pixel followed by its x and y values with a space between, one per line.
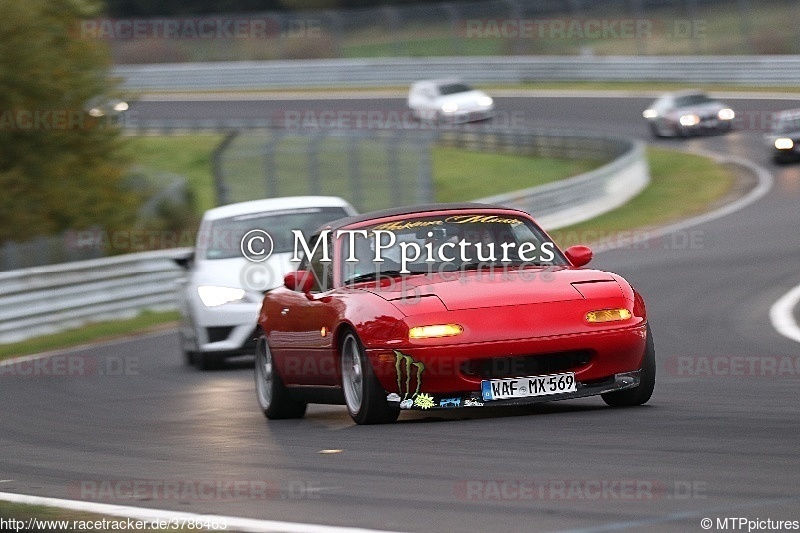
pixel 60 168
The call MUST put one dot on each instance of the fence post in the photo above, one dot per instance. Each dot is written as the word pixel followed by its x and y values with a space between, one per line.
pixel 270 169
pixel 744 23
pixel 393 166
pixel 220 186
pixel 425 183
pixel 314 182
pixel 354 166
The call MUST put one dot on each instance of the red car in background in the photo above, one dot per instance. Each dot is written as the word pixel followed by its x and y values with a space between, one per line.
pixel 447 306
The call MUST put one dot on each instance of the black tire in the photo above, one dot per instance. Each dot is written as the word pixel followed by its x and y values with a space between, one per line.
pixel 188 355
pixel 641 394
pixel 365 398
pixel 273 398
pixel 655 130
pixel 207 360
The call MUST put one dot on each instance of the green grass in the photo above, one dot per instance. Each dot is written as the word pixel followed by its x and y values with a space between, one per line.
pixel 766 28
pixel 666 200
pixel 461 175
pixel 458 174
pixel 292 171
pixel 677 28
pixel 89 333
pixel 186 155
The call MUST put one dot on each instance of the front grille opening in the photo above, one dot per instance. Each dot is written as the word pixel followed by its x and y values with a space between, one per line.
pixel 526 365
pixel 218 333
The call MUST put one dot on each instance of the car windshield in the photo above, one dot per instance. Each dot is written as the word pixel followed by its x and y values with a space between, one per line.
pixel 692 99
pixel 444 243
pixel 223 240
pixel 453 88
pixel 788 124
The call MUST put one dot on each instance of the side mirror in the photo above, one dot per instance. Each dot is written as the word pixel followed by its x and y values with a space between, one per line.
pixel 300 280
pixel 578 255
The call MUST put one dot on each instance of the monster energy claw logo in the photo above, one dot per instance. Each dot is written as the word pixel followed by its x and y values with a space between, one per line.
pixel 402 365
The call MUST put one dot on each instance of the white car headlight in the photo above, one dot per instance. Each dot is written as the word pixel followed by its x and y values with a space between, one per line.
pixel 485 101
pixel 121 106
pixel 726 114
pixel 689 120
pixel 449 107
pixel 212 296
pixel 784 143
pixel 649 113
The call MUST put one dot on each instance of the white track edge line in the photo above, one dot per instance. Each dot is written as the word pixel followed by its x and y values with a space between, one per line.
pixel 764 185
pixel 781 314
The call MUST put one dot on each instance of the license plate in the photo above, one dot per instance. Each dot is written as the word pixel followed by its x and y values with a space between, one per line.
pixel 525 387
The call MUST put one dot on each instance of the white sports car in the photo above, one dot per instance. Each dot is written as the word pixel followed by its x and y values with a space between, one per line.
pixel 222 291
pixel 448 101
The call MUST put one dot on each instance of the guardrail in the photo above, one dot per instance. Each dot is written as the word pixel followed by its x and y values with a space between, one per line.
pixel 382 72
pixel 583 197
pixel 43 300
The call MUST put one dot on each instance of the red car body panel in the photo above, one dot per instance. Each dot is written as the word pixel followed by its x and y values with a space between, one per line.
pixel 527 318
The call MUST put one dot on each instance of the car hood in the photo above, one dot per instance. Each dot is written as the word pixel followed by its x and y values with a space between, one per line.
pixel 238 272
pixel 473 290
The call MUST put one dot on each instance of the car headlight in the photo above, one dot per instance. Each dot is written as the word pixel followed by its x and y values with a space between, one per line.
pixel 726 114
pixel 119 107
pixel 784 143
pixel 649 113
pixel 96 112
pixel 607 315
pixel 689 120
pixel 434 331
pixel 449 107
pixel 485 101
pixel 212 296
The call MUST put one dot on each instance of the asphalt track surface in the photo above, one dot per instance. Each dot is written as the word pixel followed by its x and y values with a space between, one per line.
pixel 705 445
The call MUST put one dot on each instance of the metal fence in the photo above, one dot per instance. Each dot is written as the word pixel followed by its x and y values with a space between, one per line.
pixel 372 169
pixel 44 300
pixel 485 28
pixel 375 169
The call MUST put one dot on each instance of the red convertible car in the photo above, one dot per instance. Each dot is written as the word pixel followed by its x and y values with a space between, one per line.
pixel 447 306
